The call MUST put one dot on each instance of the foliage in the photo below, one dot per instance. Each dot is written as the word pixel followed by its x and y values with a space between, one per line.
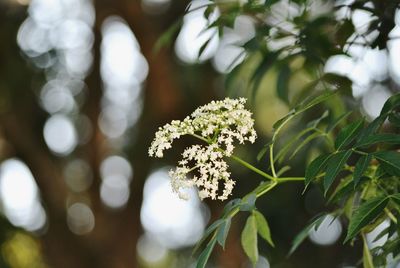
pixel 358 162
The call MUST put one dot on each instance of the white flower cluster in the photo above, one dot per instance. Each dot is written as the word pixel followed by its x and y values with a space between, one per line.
pixel 219 123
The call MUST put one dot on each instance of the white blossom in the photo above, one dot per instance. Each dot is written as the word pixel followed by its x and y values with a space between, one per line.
pixel 219 123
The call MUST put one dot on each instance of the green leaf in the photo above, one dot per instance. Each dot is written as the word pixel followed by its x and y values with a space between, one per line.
pixel 337 121
pixel 360 168
pixel 377 138
pixel 395 198
pixel 263 227
pixel 340 82
pixel 390 160
pixel 263 151
pixel 248 202
pixel 371 128
pixel 282 83
pixel 394 119
pixel 223 231
pixel 205 255
pixel 300 237
pixel 266 63
pixel 317 165
pixel 167 36
pixel 305 142
pixel 203 47
pixel 288 144
pixel 207 233
pixel 367 257
pixel 364 215
pixel 348 134
pixel 335 165
pixel 312 101
pixel 249 239
pixel 392 103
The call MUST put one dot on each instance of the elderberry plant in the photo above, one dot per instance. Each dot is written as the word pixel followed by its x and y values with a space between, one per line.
pixel 357 164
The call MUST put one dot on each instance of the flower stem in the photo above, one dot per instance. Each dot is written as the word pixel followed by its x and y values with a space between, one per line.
pixel 253 168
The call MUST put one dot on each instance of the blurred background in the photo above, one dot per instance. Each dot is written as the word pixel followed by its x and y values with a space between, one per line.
pixel 82 92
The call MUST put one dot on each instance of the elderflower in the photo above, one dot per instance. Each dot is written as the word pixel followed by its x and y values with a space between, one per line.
pixel 219 123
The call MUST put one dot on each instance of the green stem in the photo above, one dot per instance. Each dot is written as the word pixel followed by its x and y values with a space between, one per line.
pixel 201 138
pixel 271 147
pixel 390 215
pixel 282 180
pixel 253 168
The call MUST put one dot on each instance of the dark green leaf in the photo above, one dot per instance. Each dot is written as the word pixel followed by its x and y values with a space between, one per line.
pixel 394 119
pixel 223 231
pixel 360 168
pixel 340 82
pixel 348 134
pixel 266 63
pixel 392 103
pixel 312 101
pixel 263 151
pixel 205 255
pixel 305 142
pixel 396 198
pixel 167 36
pixel 282 84
pixel 377 138
pixel 263 227
pixel 203 47
pixel 335 165
pixel 371 128
pixel 249 239
pixel 317 165
pixel 231 205
pixel 364 215
pixel 300 237
pixel 337 121
pixel 390 160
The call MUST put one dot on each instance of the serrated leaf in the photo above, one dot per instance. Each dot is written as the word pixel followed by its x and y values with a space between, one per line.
pixel 300 237
pixel 263 227
pixel 317 165
pixel 377 138
pixel 223 231
pixel 364 215
pixel 348 134
pixel 282 83
pixel 360 168
pixel 390 160
pixel 249 239
pixel 335 165
pixel 205 255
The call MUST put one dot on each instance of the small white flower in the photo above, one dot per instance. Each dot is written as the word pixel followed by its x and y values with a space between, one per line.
pixel 220 123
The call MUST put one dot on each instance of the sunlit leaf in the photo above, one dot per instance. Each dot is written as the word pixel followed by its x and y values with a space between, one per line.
pixel 263 227
pixel 249 239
